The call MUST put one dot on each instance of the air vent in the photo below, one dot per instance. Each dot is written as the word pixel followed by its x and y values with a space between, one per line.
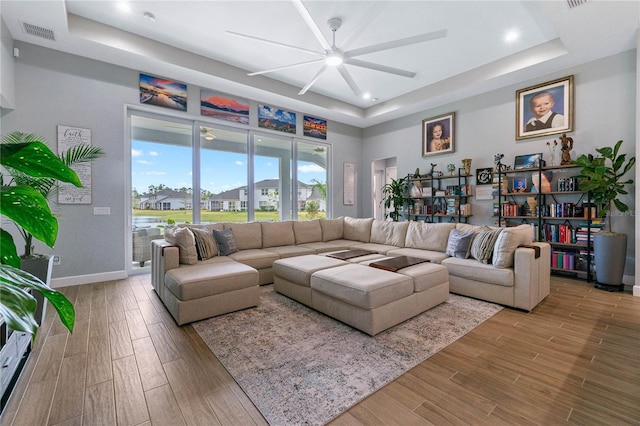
pixel 38 31
pixel 574 3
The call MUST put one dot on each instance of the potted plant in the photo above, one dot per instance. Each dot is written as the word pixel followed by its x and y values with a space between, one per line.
pixel 394 194
pixel 29 210
pixel 603 176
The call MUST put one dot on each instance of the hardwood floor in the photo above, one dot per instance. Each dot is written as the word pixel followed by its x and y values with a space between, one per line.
pixel 574 360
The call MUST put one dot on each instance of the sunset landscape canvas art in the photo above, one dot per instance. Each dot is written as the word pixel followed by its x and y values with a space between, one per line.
pixel 223 107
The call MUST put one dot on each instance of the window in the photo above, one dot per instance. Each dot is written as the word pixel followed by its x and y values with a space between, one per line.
pixel 264 192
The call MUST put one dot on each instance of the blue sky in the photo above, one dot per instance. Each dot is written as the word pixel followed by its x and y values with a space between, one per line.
pixel 155 164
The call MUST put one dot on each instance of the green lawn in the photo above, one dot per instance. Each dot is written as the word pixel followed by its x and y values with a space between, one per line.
pixel 182 216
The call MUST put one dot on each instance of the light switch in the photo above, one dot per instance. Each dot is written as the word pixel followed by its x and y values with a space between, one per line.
pixel 97 211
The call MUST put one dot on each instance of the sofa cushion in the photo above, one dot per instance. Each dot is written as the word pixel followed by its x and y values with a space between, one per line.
pixel 325 246
pixel 276 234
pixel 206 246
pixel 475 271
pixel 308 231
pixel 247 235
pixel 389 233
pixel 357 229
pixel 483 244
pixel 332 229
pixel 200 281
pixel 256 258
pixel 508 240
pixel 182 238
pixel 459 243
pixel 378 248
pixel 428 236
pixel 290 251
pixel 432 255
pixel 226 241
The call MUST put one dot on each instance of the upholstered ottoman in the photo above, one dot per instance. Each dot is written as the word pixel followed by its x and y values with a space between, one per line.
pixel 292 276
pixel 373 300
pixel 200 291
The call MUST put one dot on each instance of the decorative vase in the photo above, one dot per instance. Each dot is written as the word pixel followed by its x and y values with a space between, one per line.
pixel 466 164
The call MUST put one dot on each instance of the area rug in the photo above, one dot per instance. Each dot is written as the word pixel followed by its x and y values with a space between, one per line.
pixel 299 366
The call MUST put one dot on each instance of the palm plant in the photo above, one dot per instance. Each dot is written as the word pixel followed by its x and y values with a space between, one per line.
pixel 394 194
pixel 28 208
pixel 44 185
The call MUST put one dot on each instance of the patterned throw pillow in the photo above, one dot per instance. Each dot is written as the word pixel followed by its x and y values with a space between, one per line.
pixel 226 241
pixel 482 245
pixel 205 244
pixel 459 244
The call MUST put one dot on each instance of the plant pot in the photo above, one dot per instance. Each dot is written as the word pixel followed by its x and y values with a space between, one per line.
pixel 40 266
pixel 610 250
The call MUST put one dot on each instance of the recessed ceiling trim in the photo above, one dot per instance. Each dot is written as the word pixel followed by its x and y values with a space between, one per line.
pixel 38 31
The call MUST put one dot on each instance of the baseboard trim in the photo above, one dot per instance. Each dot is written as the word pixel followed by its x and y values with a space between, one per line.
pixel 88 279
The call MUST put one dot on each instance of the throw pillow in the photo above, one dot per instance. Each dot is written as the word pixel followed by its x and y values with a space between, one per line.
pixel 483 243
pixel 205 244
pixel 226 241
pixel 183 238
pixel 510 238
pixel 459 244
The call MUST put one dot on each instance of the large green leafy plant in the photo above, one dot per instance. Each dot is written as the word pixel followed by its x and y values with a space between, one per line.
pixel 603 177
pixel 35 170
pixel 394 194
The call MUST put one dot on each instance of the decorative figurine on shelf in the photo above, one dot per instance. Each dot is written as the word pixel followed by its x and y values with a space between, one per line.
pixel 566 145
pixel 466 164
pixel 552 150
pixel 433 166
pixel 497 160
pixel 451 168
pixel 416 175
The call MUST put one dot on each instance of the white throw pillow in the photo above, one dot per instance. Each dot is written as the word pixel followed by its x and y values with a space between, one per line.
pixel 183 238
pixel 507 242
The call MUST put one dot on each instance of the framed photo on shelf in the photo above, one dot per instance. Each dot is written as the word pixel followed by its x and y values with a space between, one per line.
pixel 519 185
pixel 545 109
pixel 528 161
pixel 438 136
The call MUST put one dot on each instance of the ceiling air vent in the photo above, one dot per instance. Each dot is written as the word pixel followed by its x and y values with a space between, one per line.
pixel 574 3
pixel 38 31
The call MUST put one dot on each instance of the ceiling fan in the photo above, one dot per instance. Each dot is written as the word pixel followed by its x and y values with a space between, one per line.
pixel 334 57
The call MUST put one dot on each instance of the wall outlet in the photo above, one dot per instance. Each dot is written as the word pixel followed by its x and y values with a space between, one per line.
pixel 56 260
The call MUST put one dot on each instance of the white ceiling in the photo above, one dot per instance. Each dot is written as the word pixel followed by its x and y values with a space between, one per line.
pixel 188 41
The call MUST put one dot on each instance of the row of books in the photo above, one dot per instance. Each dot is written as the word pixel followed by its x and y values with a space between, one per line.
pixel 572 261
pixel 449 206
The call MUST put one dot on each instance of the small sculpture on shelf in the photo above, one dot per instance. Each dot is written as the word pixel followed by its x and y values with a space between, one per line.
pixel 566 145
pixel 451 168
pixel 497 160
pixel 552 150
pixel 416 175
pixel 466 165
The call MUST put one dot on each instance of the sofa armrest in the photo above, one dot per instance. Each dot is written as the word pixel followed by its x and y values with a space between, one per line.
pixel 532 275
pixel 164 257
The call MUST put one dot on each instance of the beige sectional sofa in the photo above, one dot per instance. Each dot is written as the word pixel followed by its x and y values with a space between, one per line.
pixel 516 276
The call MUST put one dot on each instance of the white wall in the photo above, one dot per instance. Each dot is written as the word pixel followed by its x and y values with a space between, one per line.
pixel 605 112
pixel 54 88
pixel 7 80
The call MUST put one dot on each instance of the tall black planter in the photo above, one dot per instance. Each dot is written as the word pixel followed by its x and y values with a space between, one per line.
pixel 41 266
pixel 610 249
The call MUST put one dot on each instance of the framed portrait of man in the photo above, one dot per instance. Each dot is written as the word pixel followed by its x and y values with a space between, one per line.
pixel 438 135
pixel 545 109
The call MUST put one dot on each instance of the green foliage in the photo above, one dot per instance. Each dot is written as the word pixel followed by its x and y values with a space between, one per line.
pixel 602 176
pixel 394 194
pixel 312 208
pixel 34 171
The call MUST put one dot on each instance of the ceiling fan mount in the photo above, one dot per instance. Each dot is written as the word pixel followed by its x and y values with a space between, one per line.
pixel 333 57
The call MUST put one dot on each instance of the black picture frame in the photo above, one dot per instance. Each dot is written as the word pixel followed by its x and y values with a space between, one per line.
pixel 484 176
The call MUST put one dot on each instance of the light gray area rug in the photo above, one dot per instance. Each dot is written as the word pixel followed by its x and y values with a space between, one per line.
pixel 299 366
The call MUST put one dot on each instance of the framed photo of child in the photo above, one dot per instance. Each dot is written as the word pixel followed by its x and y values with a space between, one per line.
pixel 545 109
pixel 438 135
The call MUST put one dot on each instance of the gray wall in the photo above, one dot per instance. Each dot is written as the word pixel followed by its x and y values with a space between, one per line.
pixel 605 112
pixel 54 88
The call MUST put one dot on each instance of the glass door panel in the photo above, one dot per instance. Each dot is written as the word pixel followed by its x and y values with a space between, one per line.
pixel 223 174
pixel 272 160
pixel 311 172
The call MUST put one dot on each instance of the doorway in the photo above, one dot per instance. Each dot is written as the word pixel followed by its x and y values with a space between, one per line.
pixel 382 171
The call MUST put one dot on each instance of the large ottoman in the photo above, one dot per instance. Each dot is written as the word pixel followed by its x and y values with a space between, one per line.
pixel 200 291
pixel 292 276
pixel 373 300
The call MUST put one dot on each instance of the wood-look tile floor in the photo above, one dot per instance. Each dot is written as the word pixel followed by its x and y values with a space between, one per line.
pixel 574 360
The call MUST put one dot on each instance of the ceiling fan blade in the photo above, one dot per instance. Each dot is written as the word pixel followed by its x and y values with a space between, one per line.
pixel 378 67
pixel 284 67
pixel 397 43
pixel 306 16
pixel 287 46
pixel 347 77
pixel 312 81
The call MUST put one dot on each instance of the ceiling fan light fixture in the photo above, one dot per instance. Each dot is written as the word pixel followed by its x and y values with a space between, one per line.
pixel 333 60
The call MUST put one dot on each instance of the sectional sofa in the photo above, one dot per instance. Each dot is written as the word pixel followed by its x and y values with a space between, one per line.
pixel 508 268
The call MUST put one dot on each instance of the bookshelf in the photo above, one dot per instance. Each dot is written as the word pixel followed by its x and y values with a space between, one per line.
pixel 440 198
pixel 559 213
